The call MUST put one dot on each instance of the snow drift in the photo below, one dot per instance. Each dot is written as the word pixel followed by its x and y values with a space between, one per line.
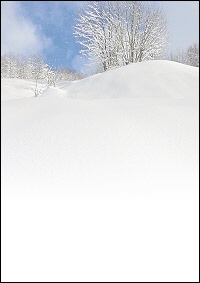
pixel 146 79
pixel 112 184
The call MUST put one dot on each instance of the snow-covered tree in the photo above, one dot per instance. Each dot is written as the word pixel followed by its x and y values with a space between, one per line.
pixel 4 66
pixel 116 33
pixel 192 55
pixel 91 30
pixel 34 67
pixel 152 35
pixel 39 71
pixel 9 66
pixel 52 77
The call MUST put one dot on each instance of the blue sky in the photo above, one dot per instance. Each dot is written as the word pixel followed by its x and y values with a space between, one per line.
pixel 47 27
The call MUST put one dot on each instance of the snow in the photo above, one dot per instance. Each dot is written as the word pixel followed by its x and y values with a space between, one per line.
pixel 100 177
pixel 18 88
pixel 161 79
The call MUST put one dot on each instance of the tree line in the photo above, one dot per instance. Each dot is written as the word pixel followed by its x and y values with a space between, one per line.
pixel 34 67
pixel 190 56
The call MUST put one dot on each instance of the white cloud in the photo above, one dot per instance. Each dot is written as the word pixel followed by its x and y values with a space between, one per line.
pixel 19 34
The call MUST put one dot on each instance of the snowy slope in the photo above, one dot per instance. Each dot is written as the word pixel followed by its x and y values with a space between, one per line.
pixel 18 88
pixel 146 79
pixel 110 185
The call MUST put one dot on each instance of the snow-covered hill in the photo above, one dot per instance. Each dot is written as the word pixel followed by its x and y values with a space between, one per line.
pixel 165 79
pixel 100 177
